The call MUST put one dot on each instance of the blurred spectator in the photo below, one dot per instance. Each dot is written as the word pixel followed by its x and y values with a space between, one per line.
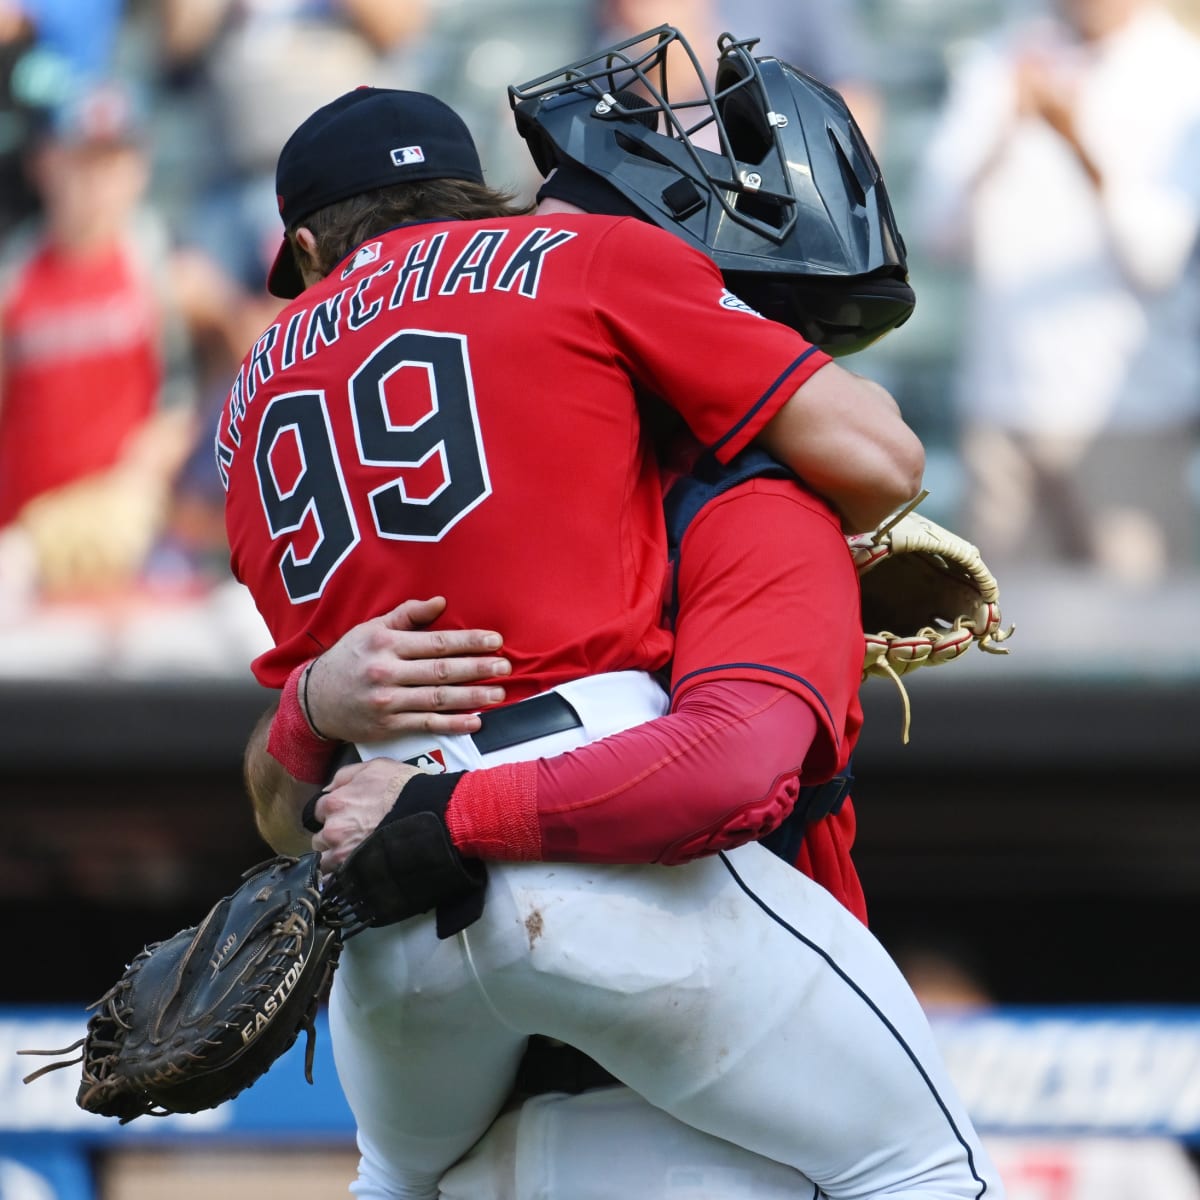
pixel 94 375
pixel 251 70
pixel 1066 168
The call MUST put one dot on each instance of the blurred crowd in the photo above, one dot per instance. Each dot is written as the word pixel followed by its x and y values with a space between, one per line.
pixel 1043 157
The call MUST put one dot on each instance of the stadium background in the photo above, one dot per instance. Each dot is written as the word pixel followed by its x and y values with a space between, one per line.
pixel 1040 828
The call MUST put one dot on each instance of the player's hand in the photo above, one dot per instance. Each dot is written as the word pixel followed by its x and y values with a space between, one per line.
pixel 356 799
pixel 390 676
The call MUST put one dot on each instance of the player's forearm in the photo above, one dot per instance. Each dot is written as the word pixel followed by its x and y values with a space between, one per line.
pixel 276 798
pixel 845 437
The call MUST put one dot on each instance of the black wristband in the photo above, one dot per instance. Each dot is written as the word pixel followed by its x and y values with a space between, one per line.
pixel 424 793
pixel 406 867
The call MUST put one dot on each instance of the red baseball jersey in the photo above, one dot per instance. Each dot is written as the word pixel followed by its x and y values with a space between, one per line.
pixel 454 411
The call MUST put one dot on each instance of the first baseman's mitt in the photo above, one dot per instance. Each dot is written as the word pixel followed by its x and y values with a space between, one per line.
pixel 927 597
pixel 196 1019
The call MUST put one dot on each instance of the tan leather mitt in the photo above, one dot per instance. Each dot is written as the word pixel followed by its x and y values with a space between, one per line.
pixel 927 597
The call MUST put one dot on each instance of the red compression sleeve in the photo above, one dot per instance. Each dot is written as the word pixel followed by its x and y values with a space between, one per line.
pixel 720 770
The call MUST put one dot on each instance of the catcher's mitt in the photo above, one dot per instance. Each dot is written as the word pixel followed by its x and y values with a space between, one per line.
pixel 197 1018
pixel 927 597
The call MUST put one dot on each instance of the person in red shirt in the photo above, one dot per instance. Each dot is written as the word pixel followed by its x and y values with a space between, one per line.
pixel 88 397
pixel 406 1042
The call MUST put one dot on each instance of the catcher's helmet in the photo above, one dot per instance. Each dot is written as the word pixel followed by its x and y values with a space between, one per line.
pixel 791 205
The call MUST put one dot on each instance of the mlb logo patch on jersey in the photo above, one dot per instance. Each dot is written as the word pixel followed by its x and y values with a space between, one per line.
pixel 366 254
pixel 729 300
pixel 433 762
pixel 406 156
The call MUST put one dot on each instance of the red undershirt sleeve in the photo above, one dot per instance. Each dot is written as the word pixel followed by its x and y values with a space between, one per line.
pixel 720 770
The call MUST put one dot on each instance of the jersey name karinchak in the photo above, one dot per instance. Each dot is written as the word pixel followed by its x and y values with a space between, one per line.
pixel 479 267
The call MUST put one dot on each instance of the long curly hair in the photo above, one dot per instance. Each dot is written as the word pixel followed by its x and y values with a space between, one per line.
pixel 339 228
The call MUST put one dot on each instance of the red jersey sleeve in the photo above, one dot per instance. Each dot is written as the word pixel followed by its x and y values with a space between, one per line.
pixel 767 591
pixel 724 368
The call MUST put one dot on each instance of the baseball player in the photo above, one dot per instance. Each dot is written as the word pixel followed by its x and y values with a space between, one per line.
pixel 428 1031
pixel 552 1142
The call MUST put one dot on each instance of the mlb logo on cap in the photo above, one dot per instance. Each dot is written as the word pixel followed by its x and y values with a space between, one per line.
pixel 349 147
pixel 407 155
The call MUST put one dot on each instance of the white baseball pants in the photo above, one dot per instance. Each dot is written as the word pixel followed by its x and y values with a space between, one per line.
pixel 732 993
pixel 610 1143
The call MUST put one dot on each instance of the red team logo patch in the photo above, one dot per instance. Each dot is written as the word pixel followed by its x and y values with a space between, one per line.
pixel 363 257
pixel 432 762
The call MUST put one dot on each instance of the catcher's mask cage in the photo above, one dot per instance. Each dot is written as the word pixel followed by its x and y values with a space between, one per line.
pixel 790 204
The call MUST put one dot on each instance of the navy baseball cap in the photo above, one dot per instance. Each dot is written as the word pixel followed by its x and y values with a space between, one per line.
pixel 369 138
